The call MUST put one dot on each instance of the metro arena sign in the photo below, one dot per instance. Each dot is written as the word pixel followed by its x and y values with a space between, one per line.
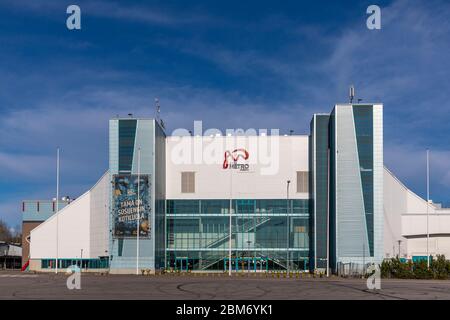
pixel 237 160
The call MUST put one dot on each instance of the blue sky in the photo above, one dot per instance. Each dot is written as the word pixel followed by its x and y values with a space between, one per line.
pixel 248 64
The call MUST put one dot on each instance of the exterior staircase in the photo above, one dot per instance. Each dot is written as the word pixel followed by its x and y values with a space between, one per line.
pixel 247 227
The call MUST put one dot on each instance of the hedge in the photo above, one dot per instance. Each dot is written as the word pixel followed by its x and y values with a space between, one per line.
pixel 395 268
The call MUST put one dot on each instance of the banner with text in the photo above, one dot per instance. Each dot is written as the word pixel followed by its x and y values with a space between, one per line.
pixel 127 204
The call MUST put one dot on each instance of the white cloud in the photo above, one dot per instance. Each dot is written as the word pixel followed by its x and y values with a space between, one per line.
pixel 146 14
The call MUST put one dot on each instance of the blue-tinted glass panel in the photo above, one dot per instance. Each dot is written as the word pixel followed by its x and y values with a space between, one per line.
pixel 261 231
pixel 183 206
pixel 363 116
pixel 127 134
pixel 321 139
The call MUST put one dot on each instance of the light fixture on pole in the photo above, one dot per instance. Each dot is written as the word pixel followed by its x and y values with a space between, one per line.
pixel 230 219
pixel 287 225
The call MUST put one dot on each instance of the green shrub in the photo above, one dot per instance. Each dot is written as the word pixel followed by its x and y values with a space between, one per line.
pixel 421 270
pixel 440 267
pixel 395 268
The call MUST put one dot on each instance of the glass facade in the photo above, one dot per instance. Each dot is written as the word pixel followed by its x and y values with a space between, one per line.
pixel 101 263
pixel 160 196
pixel 319 192
pixel 127 135
pixel 332 194
pixel 264 234
pixel 363 116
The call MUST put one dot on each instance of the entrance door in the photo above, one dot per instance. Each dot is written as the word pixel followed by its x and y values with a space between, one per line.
pixel 181 264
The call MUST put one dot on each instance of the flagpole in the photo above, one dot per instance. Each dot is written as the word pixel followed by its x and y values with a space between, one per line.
pixel 230 218
pixel 138 210
pixel 328 213
pixel 428 203
pixel 287 226
pixel 57 206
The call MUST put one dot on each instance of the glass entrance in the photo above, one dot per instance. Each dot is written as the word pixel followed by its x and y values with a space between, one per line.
pixel 181 264
pixel 247 264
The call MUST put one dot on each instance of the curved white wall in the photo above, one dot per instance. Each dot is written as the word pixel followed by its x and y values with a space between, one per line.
pixel 82 225
pixel 406 220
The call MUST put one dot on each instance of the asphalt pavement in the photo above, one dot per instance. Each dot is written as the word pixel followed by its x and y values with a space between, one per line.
pixel 16 285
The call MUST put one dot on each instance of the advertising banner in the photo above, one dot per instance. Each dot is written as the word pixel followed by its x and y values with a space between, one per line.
pixel 126 203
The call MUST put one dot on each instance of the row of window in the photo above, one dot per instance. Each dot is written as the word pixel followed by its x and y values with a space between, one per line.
pixel 249 232
pixel 247 261
pixel 81 263
pixel 44 206
pixel 239 206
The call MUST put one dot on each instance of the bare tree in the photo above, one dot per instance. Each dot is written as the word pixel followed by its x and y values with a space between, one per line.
pixel 8 235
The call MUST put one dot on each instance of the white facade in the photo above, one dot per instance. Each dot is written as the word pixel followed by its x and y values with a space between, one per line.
pixel 82 228
pixel 405 216
pixel 378 181
pixel 272 161
pixel 269 162
pixel 352 235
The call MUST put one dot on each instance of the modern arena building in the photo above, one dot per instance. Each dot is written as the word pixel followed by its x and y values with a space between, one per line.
pixel 293 202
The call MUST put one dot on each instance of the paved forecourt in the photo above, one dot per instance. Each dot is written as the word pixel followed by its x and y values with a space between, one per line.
pixel 51 286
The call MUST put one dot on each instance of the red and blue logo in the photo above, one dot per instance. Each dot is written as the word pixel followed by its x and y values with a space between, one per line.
pixel 234 157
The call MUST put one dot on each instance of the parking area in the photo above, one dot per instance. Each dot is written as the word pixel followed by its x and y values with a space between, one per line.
pixel 15 285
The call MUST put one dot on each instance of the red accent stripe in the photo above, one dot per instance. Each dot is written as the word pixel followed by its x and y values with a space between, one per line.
pixel 25 266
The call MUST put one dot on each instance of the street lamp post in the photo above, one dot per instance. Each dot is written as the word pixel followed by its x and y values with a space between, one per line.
pixel 287 225
pixel 248 250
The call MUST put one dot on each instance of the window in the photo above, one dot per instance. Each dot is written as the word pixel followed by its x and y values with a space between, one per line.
pixel 245 206
pixel 302 181
pixel 183 206
pixel 215 206
pixel 127 134
pixel 187 182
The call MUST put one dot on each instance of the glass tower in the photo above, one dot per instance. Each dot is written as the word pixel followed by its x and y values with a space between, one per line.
pixel 137 185
pixel 357 175
pixel 346 157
